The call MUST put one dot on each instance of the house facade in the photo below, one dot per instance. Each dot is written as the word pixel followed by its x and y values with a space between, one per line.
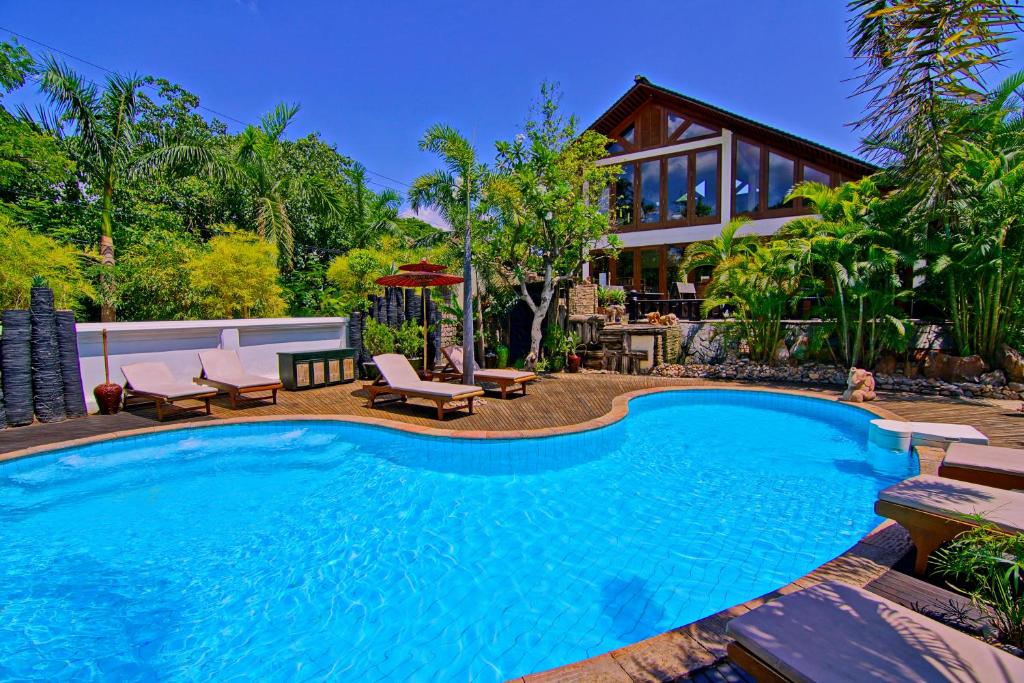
pixel 688 168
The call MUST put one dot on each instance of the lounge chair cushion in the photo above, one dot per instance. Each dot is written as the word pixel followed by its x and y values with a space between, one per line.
pixel 509 375
pixel 224 366
pixel 950 497
pixel 834 632
pixel 454 355
pixel 401 376
pixel 156 379
pixel 987 458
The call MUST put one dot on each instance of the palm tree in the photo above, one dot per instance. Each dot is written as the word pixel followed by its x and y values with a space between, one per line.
pixel 454 191
pixel 253 164
pixel 105 142
pixel 724 247
pixel 369 215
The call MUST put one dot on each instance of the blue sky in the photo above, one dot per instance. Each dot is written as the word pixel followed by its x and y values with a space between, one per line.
pixel 372 76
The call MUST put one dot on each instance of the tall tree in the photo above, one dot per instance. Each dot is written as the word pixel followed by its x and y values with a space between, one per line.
pixel 105 144
pixel 546 194
pixel 369 215
pixel 455 191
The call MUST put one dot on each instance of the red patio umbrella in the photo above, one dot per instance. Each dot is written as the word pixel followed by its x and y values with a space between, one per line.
pixel 410 278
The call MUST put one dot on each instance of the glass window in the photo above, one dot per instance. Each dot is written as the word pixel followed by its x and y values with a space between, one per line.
pixel 678 185
pixel 624 196
pixel 650 192
pixel 675 121
pixel 615 148
pixel 813 175
pixel 603 200
pixel 600 269
pixel 629 135
pixel 696 131
pixel 673 274
pixel 624 269
pixel 650 271
pixel 747 189
pixel 705 186
pixel 780 180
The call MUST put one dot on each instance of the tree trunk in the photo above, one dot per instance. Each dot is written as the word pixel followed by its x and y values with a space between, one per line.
pixel 468 347
pixel 108 312
pixel 540 311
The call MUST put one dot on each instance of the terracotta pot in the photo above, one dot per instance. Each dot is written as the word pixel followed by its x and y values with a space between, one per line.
pixel 108 398
pixel 573 363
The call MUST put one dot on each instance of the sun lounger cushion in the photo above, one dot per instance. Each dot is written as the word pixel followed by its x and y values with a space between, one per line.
pixel 401 376
pixel 834 632
pixel 949 497
pixel 224 366
pixel 454 354
pixel 988 458
pixel 156 379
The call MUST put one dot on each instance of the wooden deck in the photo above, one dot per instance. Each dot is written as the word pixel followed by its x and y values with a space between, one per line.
pixel 554 401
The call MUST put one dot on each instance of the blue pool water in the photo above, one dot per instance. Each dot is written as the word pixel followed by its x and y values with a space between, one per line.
pixel 319 550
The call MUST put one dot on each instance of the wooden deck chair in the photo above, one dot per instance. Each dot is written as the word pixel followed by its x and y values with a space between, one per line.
pixel 223 369
pixel 154 382
pixel 507 380
pixel 1002 468
pixel 399 378
pixel 833 632
pixel 935 510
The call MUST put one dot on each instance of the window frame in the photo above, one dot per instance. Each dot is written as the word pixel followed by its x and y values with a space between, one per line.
pixel 798 208
pixel 673 139
pixel 691 207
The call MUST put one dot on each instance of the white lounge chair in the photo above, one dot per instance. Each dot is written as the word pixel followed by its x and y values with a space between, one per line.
pixel 1002 468
pixel 399 378
pixel 899 435
pixel 832 633
pixel 935 510
pixel 154 382
pixel 505 379
pixel 223 369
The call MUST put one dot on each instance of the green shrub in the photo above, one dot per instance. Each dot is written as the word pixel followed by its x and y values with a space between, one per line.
pixel 409 339
pixel 378 338
pixel 609 297
pixel 26 255
pixel 988 566
pixel 152 285
pixel 237 277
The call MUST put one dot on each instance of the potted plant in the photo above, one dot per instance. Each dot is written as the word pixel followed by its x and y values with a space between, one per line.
pixel 501 351
pixel 108 394
pixel 378 338
pixel 554 345
pixel 572 359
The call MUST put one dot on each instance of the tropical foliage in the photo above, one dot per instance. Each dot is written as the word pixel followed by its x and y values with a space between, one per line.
pixel 236 277
pixel 26 254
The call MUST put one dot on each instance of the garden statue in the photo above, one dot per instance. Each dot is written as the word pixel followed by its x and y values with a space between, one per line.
pixel 860 386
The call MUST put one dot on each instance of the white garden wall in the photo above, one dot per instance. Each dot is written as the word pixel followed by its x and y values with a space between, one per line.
pixel 178 343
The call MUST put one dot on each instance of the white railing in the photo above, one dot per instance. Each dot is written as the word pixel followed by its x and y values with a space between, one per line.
pixel 178 343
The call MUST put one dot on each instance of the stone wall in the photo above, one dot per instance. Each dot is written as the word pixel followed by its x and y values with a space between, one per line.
pixel 583 299
pixel 986 386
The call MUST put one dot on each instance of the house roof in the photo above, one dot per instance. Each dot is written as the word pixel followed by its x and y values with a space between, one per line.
pixel 644 91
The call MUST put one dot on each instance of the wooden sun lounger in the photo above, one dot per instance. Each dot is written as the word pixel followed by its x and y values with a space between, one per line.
pixel 400 379
pixel 507 380
pixel 223 369
pixel 154 382
pixel 1002 468
pixel 835 633
pixel 935 510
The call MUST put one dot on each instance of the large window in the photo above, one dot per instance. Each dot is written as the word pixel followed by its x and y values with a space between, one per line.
pixel 624 196
pixel 763 177
pixel 677 185
pixel 650 270
pixel 650 192
pixel 680 189
pixel 747 190
pixel 781 178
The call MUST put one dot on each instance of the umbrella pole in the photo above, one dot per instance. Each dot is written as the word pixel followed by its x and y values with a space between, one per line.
pixel 423 302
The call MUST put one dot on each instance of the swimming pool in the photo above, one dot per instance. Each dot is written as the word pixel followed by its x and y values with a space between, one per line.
pixel 309 550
